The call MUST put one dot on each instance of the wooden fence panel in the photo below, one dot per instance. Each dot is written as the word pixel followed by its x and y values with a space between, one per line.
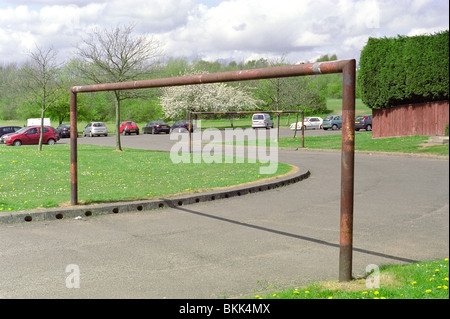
pixel 411 119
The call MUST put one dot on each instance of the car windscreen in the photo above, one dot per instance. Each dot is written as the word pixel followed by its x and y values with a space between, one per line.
pixel 21 130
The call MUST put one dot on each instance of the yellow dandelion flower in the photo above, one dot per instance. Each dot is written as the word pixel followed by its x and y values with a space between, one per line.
pixel 428 291
pixel 446 278
pixel 414 282
pixel 436 270
pixel 306 291
pixel 365 292
pixel 445 287
pixel 274 295
pixel 331 297
pixel 376 293
pixel 296 292
pixel 256 296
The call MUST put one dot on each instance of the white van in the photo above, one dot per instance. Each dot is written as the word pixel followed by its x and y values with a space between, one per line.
pixel 262 120
pixel 37 121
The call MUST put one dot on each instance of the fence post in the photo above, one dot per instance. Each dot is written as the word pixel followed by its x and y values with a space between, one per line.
pixel 73 150
pixel 347 171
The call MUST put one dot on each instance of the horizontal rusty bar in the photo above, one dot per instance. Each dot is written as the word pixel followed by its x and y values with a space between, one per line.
pixel 245 112
pixel 243 75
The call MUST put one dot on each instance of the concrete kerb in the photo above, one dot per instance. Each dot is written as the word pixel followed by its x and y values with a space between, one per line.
pixel 85 211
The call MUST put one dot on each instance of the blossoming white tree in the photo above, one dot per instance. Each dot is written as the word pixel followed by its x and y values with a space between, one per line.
pixel 178 101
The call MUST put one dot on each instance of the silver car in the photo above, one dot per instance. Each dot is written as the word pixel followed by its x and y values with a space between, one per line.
pixel 95 129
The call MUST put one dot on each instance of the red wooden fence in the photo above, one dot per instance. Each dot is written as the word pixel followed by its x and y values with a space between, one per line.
pixel 412 119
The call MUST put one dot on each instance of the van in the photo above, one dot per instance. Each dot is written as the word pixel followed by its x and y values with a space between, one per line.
pixel 262 120
pixel 332 121
pixel 37 121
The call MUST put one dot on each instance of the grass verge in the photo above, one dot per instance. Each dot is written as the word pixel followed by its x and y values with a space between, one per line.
pixel 364 142
pixel 31 179
pixel 422 280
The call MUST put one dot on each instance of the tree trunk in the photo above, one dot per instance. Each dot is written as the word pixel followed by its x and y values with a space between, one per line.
pixel 41 133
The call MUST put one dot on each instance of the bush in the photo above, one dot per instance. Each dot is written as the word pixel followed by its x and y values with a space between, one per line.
pixel 403 70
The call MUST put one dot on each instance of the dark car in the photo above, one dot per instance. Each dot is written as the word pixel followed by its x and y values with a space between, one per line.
pixel 363 122
pixel 7 130
pixel 30 135
pixel 63 130
pixel 156 127
pixel 182 125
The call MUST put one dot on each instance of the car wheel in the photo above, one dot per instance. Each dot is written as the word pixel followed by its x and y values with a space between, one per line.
pixel 90 134
pixel 51 142
pixel 153 130
pixel 17 143
pixel 369 128
pixel 335 127
pixel 356 129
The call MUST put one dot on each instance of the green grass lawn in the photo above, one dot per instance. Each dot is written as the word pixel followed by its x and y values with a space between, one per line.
pixel 32 179
pixel 422 280
pixel 365 142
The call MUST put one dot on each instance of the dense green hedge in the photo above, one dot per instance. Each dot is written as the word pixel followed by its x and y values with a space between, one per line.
pixel 403 70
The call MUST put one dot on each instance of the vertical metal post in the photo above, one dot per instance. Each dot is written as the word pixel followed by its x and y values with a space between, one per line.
pixel 73 150
pixel 347 171
pixel 189 132
pixel 303 129
pixel 278 127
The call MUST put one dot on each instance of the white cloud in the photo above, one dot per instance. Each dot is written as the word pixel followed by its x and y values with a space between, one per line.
pixel 300 30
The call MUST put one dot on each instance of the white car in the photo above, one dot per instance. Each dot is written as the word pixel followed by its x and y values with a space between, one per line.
pixel 313 122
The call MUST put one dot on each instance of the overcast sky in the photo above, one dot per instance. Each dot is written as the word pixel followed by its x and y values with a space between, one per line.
pixel 239 30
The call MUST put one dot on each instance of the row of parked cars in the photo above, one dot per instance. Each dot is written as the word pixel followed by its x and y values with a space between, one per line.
pixel 334 122
pixel 16 135
pixel 130 127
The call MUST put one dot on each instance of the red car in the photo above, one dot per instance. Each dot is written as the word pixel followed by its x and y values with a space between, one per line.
pixel 30 136
pixel 128 127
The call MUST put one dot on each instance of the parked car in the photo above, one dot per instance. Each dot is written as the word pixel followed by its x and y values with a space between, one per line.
pixel 182 125
pixel 262 120
pixel 8 129
pixel 30 135
pixel 312 122
pixel 95 129
pixel 4 130
pixel 156 127
pixel 332 121
pixel 64 130
pixel 129 127
pixel 55 131
pixel 363 122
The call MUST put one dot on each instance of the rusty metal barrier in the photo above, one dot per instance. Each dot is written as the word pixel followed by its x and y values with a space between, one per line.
pixel 348 70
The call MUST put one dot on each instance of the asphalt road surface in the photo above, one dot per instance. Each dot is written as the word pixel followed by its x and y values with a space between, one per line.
pixel 241 246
